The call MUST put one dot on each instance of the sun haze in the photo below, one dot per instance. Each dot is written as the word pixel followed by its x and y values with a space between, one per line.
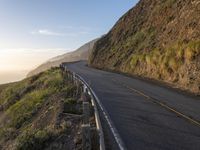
pixel 34 31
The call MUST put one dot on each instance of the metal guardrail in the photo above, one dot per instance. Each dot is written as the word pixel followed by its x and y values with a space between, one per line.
pixel 96 113
pixel 76 77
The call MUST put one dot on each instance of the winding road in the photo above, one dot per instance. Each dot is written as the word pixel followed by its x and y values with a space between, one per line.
pixel 145 116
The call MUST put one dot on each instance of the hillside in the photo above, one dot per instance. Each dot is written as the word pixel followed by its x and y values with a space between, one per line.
pixel 40 112
pixel 157 39
pixel 81 53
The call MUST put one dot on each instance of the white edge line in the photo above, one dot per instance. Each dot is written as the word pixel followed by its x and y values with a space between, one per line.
pixel 113 129
pixel 97 118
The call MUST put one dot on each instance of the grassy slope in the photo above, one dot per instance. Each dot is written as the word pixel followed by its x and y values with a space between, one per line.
pixel 156 39
pixel 29 110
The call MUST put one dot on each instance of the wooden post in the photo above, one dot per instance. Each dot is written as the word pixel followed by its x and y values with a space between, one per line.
pixel 77 87
pixel 67 76
pixel 81 88
pixel 86 112
pixel 84 88
pixel 94 134
pixel 78 84
pixel 73 78
pixel 70 77
pixel 86 137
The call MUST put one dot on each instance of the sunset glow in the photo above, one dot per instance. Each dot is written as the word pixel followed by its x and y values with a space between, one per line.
pixel 21 60
pixel 31 32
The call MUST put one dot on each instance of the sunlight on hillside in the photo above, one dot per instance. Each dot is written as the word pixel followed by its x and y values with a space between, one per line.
pixel 16 63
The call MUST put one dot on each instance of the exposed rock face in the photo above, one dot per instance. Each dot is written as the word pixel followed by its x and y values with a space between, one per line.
pixel 158 39
pixel 79 54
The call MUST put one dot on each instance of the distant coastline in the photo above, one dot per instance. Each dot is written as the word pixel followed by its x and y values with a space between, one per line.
pixel 12 76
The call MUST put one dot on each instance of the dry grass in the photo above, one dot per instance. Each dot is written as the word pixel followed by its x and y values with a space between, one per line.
pixel 31 107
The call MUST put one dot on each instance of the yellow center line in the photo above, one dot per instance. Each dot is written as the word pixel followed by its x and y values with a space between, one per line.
pixel 196 122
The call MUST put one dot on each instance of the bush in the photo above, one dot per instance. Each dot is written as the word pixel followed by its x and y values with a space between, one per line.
pixel 70 101
pixel 34 139
pixel 148 59
pixel 21 111
pixel 173 64
pixel 134 60
pixel 189 54
pixel 7 133
pixel 71 106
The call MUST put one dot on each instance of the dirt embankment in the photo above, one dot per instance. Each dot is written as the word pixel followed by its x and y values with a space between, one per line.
pixel 155 39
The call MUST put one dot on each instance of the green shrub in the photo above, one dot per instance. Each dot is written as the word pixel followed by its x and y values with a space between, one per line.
pixel 134 60
pixel 192 50
pixel 7 133
pixel 25 99
pixel 26 107
pixel 148 59
pixel 195 46
pixel 11 93
pixel 34 139
pixel 180 53
pixel 71 106
pixel 70 101
pixel 189 54
pixel 173 64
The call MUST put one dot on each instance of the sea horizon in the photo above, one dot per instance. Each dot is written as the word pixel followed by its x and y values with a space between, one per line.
pixel 10 76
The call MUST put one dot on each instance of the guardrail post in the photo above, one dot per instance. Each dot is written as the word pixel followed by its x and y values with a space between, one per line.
pixel 86 112
pixel 94 134
pixel 84 88
pixel 86 137
pixel 91 137
pixel 68 75
pixel 71 77
pixel 81 88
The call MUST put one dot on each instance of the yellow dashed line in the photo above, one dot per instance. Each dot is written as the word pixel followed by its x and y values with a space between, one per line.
pixel 161 104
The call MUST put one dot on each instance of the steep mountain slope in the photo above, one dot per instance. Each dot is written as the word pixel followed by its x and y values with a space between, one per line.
pixel 79 54
pixel 158 39
pixel 40 112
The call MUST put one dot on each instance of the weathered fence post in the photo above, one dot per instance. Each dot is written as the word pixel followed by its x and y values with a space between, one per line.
pixel 72 78
pixel 81 87
pixel 90 135
pixel 67 73
pixel 86 112
pixel 84 88
pixel 86 137
pixel 94 134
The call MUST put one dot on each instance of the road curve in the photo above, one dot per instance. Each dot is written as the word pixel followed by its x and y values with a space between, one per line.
pixel 146 116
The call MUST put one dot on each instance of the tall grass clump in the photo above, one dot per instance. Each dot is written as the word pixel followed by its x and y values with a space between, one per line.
pixel 34 139
pixel 24 109
pixel 169 60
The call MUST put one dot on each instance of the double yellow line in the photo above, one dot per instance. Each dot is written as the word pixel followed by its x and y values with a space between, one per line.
pixel 195 122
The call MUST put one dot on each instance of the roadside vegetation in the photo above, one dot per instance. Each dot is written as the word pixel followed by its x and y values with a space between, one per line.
pixel 177 63
pixel 156 40
pixel 169 59
pixel 40 112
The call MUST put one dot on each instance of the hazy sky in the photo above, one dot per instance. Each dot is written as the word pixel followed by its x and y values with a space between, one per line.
pixel 31 31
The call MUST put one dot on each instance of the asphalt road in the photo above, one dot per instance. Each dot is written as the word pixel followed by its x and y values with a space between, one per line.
pixel 145 115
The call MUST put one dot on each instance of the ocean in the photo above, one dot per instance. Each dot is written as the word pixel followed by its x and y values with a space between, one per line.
pixel 12 76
